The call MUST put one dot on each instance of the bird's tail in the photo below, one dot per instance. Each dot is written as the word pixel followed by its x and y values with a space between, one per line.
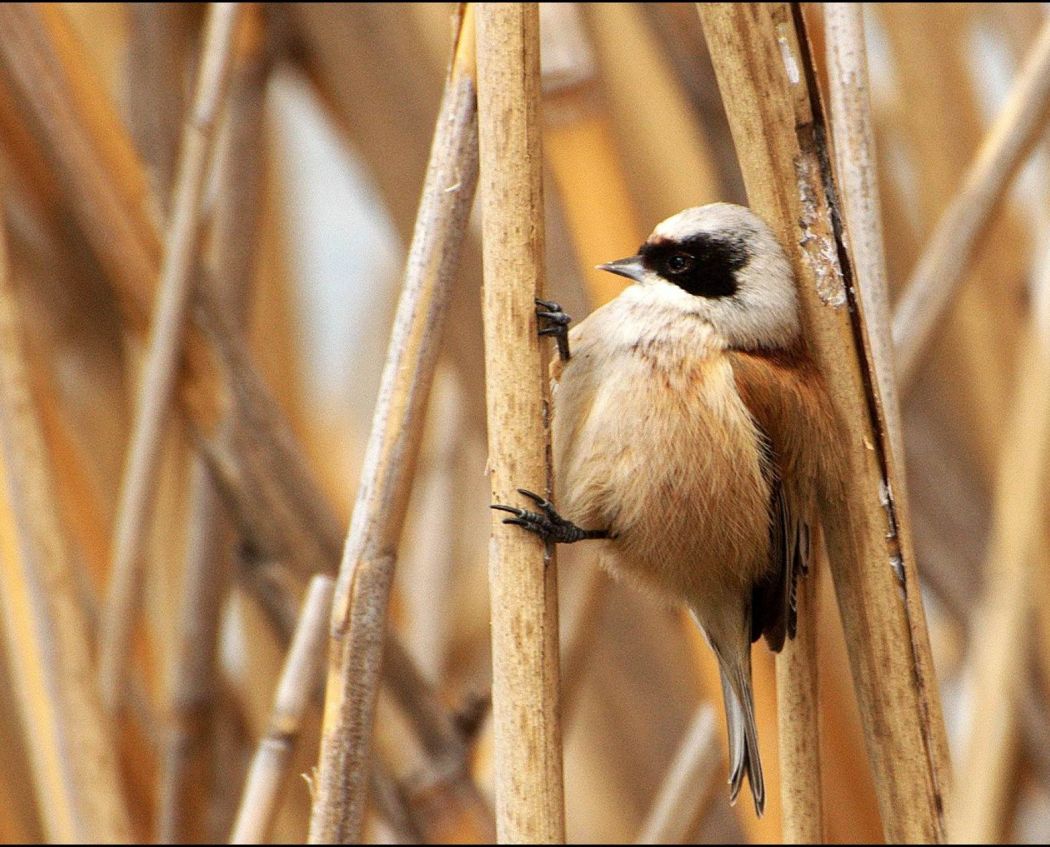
pixel 740 718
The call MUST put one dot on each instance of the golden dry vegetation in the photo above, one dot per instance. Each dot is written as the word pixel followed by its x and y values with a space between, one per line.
pixel 258 387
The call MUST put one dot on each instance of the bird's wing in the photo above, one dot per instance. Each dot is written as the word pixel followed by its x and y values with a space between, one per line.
pixel 774 603
pixel 786 398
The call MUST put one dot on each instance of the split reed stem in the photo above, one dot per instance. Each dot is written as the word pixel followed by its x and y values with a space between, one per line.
pixel 765 75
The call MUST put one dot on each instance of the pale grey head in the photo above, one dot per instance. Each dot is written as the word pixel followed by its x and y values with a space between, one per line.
pixel 722 263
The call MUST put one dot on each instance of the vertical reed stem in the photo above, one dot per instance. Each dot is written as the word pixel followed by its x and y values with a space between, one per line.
pixel 522 576
pixel 187 775
pixel 801 794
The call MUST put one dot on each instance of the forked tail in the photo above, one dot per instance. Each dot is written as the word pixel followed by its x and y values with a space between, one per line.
pixel 743 737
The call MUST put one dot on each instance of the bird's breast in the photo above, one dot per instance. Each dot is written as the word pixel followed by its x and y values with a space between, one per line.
pixel 652 440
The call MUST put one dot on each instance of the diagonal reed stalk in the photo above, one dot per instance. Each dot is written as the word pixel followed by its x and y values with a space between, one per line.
pixel 160 368
pixel 522 574
pixel 245 438
pixel 976 811
pixel 185 781
pixel 943 265
pixel 689 784
pixel 363 589
pixel 765 76
pixel 71 742
pixel 300 677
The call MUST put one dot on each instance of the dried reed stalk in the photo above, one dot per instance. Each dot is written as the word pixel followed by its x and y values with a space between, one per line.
pixel 943 264
pixel 160 368
pixel 689 785
pixel 939 122
pixel 290 529
pixel 851 807
pixel 390 800
pixel 387 66
pixel 73 118
pixel 72 748
pixel 976 811
pixel 668 164
pixel 256 459
pixel 522 574
pixel 300 677
pixel 363 588
pixel 765 76
pixel 452 796
pixel 185 776
pixel 856 174
pixel 797 684
pixel 159 41
pixel 975 206
pixel 801 791
pixel 580 147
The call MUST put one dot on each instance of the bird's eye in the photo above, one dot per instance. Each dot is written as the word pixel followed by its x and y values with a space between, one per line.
pixel 680 263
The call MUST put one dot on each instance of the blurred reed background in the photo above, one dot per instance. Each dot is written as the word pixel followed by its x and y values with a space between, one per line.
pixel 146 629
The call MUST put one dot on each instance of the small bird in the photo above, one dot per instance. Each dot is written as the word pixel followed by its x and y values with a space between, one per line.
pixel 691 431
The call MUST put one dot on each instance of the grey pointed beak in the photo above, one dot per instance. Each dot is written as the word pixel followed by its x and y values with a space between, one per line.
pixel 631 267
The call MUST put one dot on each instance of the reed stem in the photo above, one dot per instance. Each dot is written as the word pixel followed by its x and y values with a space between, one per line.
pixel 522 574
pixel 765 75
pixel 161 367
pixel 363 588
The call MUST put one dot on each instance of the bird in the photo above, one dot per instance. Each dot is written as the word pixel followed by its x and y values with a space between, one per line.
pixel 691 434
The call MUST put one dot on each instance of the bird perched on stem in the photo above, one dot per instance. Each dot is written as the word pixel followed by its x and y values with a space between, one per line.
pixel 691 431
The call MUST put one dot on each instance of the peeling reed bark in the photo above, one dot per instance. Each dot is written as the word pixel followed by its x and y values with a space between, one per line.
pixel 765 74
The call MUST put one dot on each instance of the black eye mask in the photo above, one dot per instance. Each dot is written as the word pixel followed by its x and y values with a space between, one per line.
pixel 704 265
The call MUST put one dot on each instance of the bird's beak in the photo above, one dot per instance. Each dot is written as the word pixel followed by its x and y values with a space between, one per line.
pixel 630 267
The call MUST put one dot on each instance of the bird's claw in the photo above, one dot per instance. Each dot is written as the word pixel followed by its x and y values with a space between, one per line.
pixel 550 526
pixel 556 324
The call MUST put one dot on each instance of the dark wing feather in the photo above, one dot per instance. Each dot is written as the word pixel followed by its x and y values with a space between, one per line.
pixel 774 598
pixel 789 406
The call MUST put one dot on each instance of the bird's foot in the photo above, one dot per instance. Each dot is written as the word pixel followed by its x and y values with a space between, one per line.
pixel 553 321
pixel 548 524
